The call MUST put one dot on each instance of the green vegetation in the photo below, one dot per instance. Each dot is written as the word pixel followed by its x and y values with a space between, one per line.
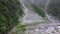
pixel 38 11
pixel 54 8
pixel 19 28
pixel 35 9
pixel 10 10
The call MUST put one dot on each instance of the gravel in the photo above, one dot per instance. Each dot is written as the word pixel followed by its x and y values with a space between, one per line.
pixel 51 28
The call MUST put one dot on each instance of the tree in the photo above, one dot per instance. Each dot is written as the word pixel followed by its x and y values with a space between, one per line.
pixel 10 10
pixel 54 8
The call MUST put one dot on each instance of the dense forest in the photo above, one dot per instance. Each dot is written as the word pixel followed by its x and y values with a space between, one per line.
pixel 54 8
pixel 9 13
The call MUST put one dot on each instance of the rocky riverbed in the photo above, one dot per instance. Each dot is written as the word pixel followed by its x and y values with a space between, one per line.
pixel 51 28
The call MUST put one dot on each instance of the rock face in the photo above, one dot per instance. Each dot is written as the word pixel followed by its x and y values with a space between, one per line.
pixel 52 27
pixel 39 3
pixel 31 17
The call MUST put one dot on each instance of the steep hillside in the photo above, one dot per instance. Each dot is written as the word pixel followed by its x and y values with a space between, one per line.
pixel 10 10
